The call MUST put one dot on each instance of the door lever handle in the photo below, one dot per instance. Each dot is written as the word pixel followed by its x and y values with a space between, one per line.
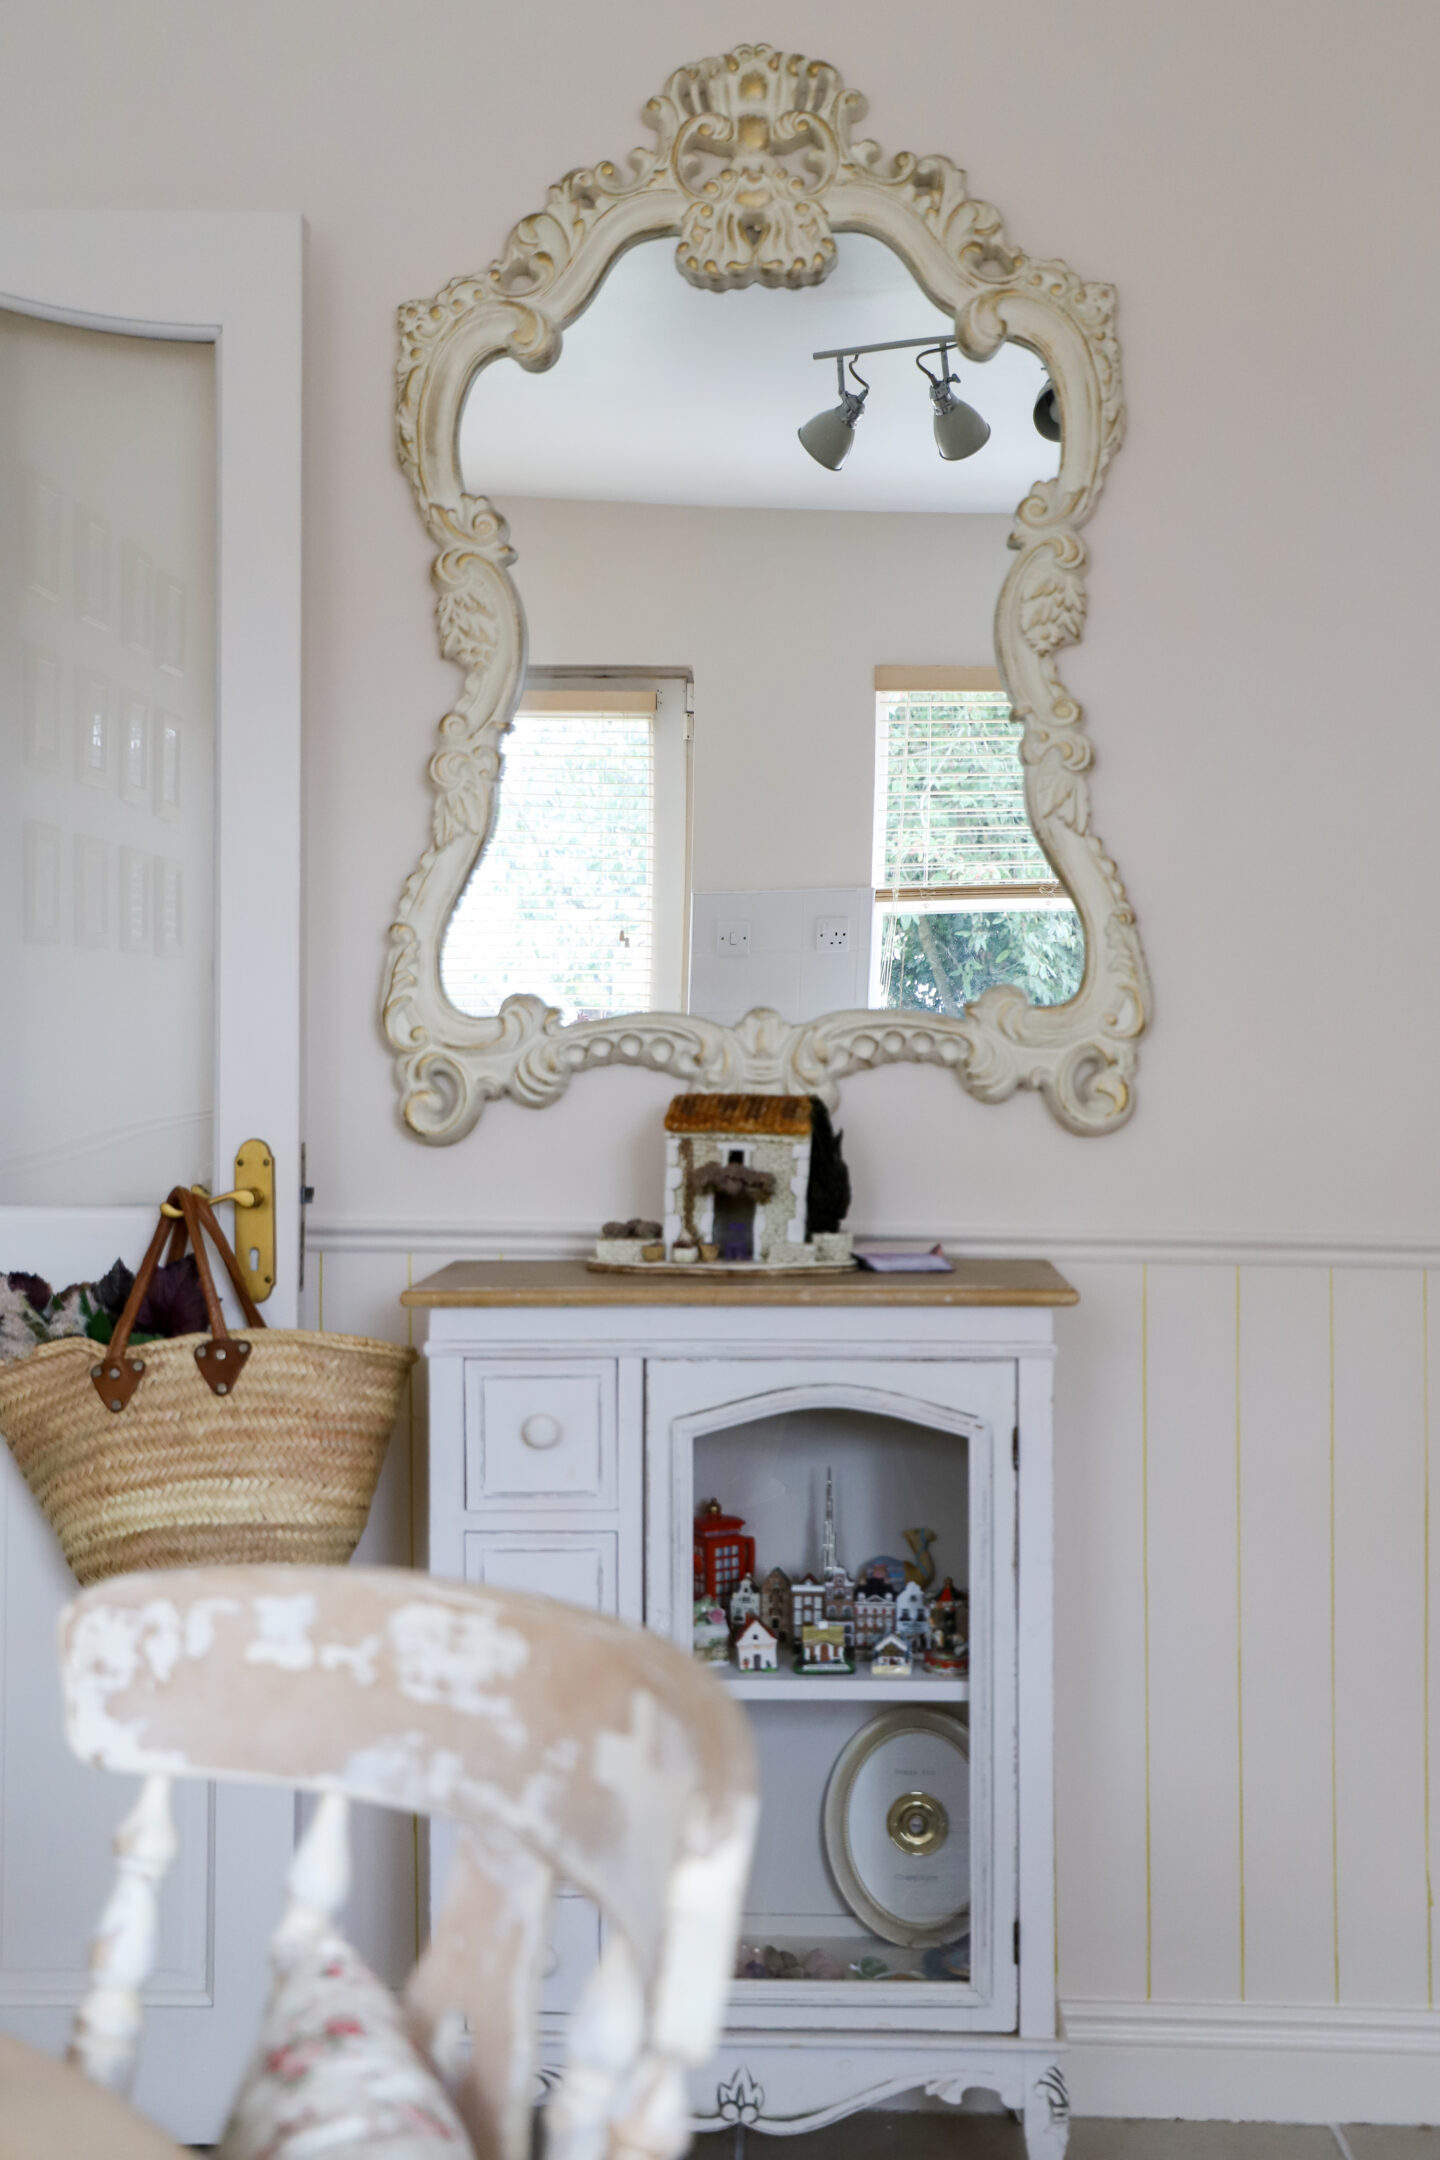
pixel 255 1245
pixel 243 1197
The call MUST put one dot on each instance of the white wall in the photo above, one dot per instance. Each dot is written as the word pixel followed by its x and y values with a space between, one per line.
pixel 1259 183
pixel 784 616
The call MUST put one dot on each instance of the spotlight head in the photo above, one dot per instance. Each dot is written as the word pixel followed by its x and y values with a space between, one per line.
pixel 829 435
pixel 1047 414
pixel 959 429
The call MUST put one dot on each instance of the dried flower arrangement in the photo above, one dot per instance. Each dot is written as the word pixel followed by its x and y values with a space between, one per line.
pixel 32 1313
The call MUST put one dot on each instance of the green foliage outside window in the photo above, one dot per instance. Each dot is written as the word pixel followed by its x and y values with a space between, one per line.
pixel 941 963
pixel 953 821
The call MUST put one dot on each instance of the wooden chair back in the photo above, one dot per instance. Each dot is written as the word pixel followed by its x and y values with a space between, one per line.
pixel 563 1745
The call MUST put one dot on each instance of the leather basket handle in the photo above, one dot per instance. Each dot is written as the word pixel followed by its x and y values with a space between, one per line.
pixel 222 1358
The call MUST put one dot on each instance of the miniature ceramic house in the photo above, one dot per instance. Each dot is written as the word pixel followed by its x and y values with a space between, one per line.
pixel 840 1603
pixel 822 1649
pixel 807 1605
pixel 874 1618
pixel 722 1556
pixel 755 1178
pixel 756 1649
pixel 744 1603
pixel 912 1618
pixel 891 1658
pixel 775 1601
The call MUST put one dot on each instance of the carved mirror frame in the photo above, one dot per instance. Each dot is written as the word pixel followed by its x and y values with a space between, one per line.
pixel 754 170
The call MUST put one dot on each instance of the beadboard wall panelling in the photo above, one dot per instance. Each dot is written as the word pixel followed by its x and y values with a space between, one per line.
pixel 1191 1708
pixel 1100 1649
pixel 1241 1792
pixel 1283 1445
pixel 1379 1665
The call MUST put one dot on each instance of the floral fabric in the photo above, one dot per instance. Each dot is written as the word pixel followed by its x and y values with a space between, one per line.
pixel 337 2077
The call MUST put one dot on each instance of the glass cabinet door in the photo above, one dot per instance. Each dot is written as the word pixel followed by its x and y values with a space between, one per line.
pixel 837 1541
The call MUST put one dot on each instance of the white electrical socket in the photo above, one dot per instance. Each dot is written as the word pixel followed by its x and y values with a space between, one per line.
pixel 832 933
pixel 733 939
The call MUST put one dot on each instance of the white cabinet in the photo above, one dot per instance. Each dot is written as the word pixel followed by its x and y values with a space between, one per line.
pixel 577 1423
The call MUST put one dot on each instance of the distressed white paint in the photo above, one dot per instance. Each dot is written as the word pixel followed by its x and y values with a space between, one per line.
pixel 625 1769
pixel 960 1375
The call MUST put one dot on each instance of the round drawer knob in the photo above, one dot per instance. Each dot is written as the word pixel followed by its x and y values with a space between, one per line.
pixel 540 1430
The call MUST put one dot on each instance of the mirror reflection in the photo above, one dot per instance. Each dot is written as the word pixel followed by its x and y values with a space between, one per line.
pixel 763 756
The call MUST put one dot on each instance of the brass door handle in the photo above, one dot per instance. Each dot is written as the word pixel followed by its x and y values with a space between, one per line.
pixel 243 1197
pixel 254 1193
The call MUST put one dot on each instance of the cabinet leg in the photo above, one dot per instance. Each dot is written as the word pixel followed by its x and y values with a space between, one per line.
pixel 1047 2115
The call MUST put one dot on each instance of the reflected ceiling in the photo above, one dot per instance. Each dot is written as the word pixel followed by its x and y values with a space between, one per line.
pixel 666 394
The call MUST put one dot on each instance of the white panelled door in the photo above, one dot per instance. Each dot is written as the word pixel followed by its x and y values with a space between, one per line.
pixel 149 961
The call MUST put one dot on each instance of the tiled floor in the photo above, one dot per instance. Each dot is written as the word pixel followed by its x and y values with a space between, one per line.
pixel 996 2137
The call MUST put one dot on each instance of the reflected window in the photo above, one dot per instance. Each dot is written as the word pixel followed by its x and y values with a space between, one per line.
pixel 572 899
pixel 964 895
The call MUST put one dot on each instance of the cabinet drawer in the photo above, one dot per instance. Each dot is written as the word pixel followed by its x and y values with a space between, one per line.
pixel 544 1436
pixel 575 1566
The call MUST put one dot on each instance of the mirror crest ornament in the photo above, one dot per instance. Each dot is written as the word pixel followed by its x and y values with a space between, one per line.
pixel 754 170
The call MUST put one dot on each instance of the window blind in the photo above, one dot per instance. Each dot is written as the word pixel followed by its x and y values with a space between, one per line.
pixel 562 901
pixel 950 806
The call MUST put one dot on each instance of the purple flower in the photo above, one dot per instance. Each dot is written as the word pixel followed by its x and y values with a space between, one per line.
pixel 174 1304
pixel 33 1288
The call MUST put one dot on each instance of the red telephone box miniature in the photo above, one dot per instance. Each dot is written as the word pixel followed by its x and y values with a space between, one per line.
pixel 722 1556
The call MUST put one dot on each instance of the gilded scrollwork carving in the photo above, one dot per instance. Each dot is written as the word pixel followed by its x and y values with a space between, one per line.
pixel 753 172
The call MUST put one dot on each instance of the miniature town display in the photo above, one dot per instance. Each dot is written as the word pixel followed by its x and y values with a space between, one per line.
pixel 833 1622
pixel 751 1181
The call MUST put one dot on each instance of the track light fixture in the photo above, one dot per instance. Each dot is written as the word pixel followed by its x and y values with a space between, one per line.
pixel 959 429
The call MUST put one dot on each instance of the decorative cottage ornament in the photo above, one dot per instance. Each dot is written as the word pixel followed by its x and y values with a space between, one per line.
pixel 755 1180
pixel 891 1658
pixel 775 1593
pixel 744 1603
pixel 807 1605
pixel 756 1649
pixel 822 1650
pixel 912 1617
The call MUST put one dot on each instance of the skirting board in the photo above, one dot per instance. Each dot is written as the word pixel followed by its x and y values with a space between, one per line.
pixel 1253 2062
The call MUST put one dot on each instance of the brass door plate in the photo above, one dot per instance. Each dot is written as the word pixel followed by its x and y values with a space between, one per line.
pixel 255 1225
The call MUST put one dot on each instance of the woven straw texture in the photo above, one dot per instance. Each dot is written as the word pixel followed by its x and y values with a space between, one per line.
pixel 283 1469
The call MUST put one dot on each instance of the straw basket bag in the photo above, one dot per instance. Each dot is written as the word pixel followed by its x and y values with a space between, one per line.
pixel 262 1445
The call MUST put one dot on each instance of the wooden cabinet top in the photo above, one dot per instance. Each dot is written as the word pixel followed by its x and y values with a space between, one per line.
pixel 570 1282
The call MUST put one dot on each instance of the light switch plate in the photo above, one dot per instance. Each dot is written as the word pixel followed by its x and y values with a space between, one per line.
pixel 732 939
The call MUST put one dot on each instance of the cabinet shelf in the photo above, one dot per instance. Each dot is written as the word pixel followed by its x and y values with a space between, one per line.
pixel 844 1687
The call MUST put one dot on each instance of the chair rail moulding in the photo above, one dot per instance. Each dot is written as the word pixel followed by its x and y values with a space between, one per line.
pixel 753 171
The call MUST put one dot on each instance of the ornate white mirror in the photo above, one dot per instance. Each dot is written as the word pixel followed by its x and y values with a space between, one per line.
pixel 783 782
